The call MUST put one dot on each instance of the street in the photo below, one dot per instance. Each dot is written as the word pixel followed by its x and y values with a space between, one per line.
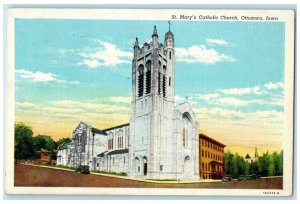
pixel 26 175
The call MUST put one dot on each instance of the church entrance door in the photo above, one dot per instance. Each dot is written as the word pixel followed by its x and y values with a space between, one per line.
pixel 145 165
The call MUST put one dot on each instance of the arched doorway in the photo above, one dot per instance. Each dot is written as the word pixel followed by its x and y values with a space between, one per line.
pixel 137 168
pixel 145 165
pixel 187 169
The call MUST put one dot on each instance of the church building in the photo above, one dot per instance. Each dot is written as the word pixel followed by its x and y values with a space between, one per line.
pixel 161 139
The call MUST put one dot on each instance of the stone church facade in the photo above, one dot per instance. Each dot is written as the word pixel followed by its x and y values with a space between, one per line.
pixel 161 139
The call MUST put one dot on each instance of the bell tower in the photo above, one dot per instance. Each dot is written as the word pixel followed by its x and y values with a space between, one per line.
pixel 152 108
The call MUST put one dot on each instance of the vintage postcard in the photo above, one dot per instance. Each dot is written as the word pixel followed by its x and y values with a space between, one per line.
pixel 150 102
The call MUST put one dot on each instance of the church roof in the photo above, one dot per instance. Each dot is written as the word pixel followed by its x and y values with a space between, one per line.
pixel 247 156
pixel 96 130
pixel 102 154
pixel 115 127
pixel 119 151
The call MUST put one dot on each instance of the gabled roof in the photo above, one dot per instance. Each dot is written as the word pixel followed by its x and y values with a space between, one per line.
pixel 247 156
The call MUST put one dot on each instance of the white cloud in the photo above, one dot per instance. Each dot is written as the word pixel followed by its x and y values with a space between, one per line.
pixel 25 104
pixel 120 99
pixel 36 76
pixel 199 53
pixel 275 85
pixel 91 106
pixel 242 91
pixel 91 63
pixel 41 77
pixel 209 96
pixel 219 112
pixel 245 96
pixel 230 101
pixel 245 118
pixel 106 55
pixel 217 41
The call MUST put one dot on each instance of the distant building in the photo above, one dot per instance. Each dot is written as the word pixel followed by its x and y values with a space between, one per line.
pixel 211 158
pixel 62 153
pixel 44 156
pixel 250 159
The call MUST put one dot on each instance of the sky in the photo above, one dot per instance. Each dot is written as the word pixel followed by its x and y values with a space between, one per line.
pixel 232 73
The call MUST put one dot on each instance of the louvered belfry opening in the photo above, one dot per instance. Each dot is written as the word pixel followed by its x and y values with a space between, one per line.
pixel 141 81
pixel 159 84
pixel 164 86
pixel 148 77
pixel 164 81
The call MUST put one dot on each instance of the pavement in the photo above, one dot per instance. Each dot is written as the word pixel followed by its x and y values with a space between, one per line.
pixel 35 175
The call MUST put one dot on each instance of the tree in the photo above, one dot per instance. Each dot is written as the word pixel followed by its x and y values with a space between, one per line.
pixel 272 167
pixel 23 141
pixel 276 165
pixel 239 166
pixel 228 163
pixel 63 140
pixel 263 164
pixel 280 163
pixel 45 142
pixel 253 168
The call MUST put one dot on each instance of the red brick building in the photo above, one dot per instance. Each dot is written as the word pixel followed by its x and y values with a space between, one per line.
pixel 211 158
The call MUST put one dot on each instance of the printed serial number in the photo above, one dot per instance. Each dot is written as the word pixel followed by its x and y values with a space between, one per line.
pixel 271 193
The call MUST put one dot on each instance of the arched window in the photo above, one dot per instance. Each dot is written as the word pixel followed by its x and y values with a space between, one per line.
pixel 187 129
pixel 120 139
pixel 140 80
pixel 169 81
pixel 148 77
pixel 110 141
pixel 170 54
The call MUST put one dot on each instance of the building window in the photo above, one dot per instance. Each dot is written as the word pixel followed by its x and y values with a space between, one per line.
pixel 140 80
pixel 161 167
pixel 202 153
pixel 97 164
pixel 169 81
pixel 148 77
pixel 170 55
